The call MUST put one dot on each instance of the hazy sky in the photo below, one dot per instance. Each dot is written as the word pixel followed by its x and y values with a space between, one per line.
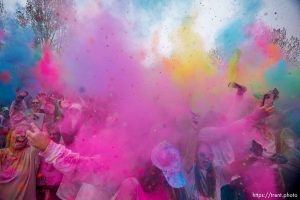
pixel 213 14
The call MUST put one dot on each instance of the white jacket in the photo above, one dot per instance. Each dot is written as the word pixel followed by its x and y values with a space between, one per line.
pixel 85 174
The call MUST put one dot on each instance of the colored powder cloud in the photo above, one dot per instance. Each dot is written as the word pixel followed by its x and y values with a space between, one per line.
pixel 16 59
pixel 104 63
pixel 233 35
pixel 286 78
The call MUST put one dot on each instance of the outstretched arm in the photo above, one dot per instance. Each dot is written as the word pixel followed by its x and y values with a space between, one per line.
pixel 77 167
pixel 211 134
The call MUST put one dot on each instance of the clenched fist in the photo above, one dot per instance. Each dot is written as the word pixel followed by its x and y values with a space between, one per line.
pixel 37 138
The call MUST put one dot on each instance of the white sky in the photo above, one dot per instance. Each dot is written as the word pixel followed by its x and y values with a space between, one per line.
pixel 213 14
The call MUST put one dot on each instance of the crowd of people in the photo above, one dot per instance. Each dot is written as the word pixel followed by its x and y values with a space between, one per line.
pixel 234 161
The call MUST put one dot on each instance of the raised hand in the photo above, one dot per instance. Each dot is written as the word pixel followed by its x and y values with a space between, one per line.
pixel 37 138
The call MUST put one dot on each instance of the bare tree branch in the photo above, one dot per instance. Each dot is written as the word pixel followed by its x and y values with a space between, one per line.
pixel 45 18
pixel 290 46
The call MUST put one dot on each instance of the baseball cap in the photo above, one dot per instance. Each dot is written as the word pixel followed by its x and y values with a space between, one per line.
pixel 167 158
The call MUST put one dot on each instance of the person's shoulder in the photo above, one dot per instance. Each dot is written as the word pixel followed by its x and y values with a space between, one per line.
pixel 227 189
pixel 3 150
pixel 31 150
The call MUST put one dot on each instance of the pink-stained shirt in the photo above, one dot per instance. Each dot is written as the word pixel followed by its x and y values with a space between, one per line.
pixel 260 175
pixel 131 188
pixel 18 174
pixel 88 172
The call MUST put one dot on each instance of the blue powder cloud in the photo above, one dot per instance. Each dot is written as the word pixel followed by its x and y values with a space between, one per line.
pixel 16 58
pixel 233 34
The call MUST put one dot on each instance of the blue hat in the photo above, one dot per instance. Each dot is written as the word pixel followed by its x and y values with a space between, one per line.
pixel 167 158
